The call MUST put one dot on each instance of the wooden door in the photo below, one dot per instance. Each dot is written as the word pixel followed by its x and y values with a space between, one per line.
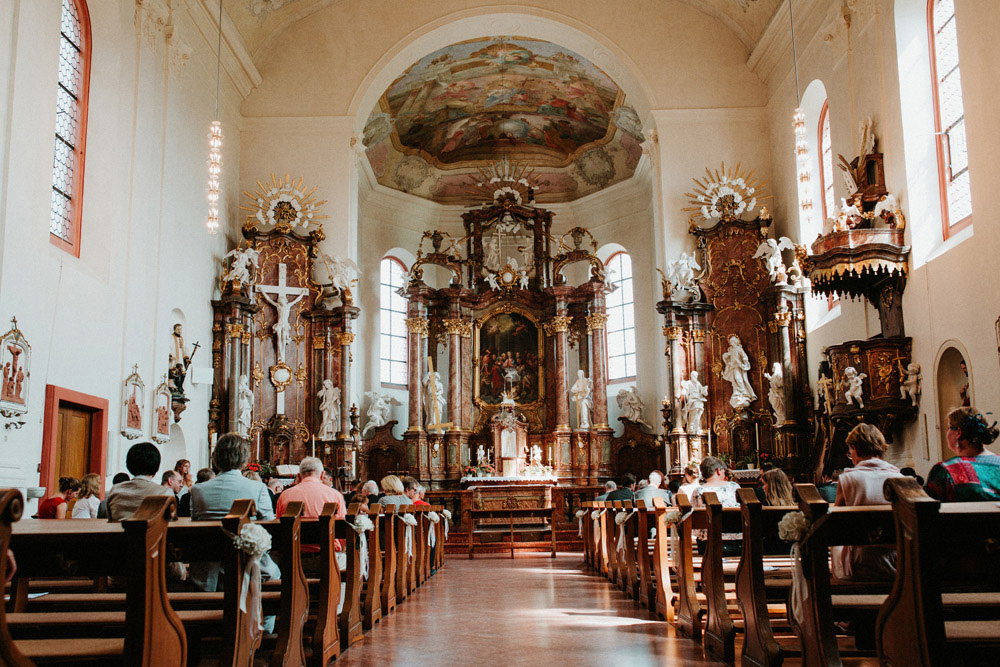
pixel 73 431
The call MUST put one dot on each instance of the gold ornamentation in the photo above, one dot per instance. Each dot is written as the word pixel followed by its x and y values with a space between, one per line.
pixel 511 503
pixel 234 330
pixel 726 195
pixel 673 333
pixel 283 204
pixel 301 374
pixel 418 325
pixel 458 327
pixel 783 318
pixel 319 343
pixel 245 337
pixel 281 376
pixel 596 321
pixel 698 335
pixel 216 327
pixel 257 374
pixel 348 338
pixel 558 324
pixel 772 327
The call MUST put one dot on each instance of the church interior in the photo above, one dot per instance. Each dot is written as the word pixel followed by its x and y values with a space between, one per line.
pixel 512 252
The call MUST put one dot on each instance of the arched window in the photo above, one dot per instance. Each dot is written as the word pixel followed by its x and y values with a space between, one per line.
pixel 621 319
pixel 826 161
pixel 392 319
pixel 71 126
pixel 949 116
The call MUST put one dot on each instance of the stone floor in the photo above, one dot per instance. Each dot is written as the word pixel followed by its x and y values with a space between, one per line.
pixel 532 610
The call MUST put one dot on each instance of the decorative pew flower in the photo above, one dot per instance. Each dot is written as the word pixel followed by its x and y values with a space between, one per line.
pixel 622 517
pixel 672 517
pixel 595 515
pixel 409 519
pixel 253 540
pixel 362 523
pixel 581 513
pixel 793 526
pixel 434 516
pixel 446 514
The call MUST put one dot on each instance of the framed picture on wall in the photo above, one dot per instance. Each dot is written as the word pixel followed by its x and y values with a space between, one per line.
pixel 15 362
pixel 133 404
pixel 161 412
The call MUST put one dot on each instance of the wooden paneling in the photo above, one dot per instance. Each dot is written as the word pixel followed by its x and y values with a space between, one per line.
pixel 73 442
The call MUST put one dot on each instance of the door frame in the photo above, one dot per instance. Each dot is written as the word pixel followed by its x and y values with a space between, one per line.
pixel 56 397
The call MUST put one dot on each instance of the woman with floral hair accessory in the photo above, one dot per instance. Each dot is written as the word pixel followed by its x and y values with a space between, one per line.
pixel 975 473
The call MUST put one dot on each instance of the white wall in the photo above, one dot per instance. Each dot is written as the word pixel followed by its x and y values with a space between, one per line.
pixel 144 249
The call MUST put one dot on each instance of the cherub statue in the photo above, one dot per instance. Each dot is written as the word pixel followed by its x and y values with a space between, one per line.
pixel 343 272
pixel 888 209
pixel 776 393
pixel 491 279
pixel 680 276
pixel 379 410
pixel 850 214
pixel 910 386
pixel 854 386
pixel 523 279
pixel 631 406
pixel 239 269
pixel 770 250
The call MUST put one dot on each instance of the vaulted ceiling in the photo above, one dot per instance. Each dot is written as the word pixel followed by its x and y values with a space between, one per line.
pixel 258 21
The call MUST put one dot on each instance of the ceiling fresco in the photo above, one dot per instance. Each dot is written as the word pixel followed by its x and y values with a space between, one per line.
pixel 536 102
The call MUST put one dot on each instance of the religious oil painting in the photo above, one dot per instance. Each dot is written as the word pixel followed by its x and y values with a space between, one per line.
pixel 161 413
pixel 15 357
pixel 509 359
pixel 529 97
pixel 133 405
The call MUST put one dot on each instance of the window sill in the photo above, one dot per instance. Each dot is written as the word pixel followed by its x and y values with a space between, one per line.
pixel 955 238
pixel 390 385
pixel 621 380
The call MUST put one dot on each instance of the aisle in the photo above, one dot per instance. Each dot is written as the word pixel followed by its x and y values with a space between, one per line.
pixel 528 611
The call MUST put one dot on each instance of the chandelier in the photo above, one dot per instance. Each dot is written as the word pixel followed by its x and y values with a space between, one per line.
pixel 215 147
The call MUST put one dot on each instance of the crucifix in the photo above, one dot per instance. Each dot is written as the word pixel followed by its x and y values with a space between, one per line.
pixel 281 327
pixel 435 399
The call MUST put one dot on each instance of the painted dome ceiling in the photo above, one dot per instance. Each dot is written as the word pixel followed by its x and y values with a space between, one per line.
pixel 466 105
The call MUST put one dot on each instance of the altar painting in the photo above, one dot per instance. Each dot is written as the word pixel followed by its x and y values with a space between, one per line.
pixel 509 357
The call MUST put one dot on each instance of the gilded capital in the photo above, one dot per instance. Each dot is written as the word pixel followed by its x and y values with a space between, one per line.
pixel 234 330
pixel 698 335
pixel 457 327
pixel 319 343
pixel 596 321
pixel 345 338
pixel 558 324
pixel 417 325
pixel 783 318
pixel 673 333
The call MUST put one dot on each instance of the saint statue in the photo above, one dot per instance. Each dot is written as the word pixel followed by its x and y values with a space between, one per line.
pixel 776 393
pixel 329 407
pixel 695 395
pixel 244 406
pixel 179 361
pixel 736 364
pixel 582 392
pixel 680 275
pixel 631 406
pixel 536 455
pixel 433 399
pixel 281 327
pixel 379 410
pixel 480 455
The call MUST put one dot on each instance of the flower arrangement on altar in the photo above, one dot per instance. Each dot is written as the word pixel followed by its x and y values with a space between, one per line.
pixel 537 470
pixel 765 459
pixel 486 469
pixel 262 468
pixel 469 471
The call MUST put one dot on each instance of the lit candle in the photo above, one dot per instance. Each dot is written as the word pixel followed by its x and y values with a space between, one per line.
pixel 314 445
pixel 258 445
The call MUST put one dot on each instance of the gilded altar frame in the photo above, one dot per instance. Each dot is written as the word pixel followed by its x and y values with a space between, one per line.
pixel 487 409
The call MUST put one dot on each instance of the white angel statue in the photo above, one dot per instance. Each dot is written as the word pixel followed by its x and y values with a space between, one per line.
pixel 770 250
pixel 343 272
pixel 631 406
pixel 680 274
pixel 910 386
pixel 854 386
pixel 378 411
pixel 329 408
pixel 888 209
pixel 776 393
pixel 239 268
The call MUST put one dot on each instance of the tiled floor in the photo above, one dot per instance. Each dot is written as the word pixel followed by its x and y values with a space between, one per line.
pixel 532 610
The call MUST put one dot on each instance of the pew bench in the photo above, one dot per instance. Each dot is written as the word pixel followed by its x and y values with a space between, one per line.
pixel 512 528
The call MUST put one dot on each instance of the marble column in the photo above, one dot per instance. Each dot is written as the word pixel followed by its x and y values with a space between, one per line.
pixel 601 431
pixel 675 375
pixel 344 340
pixel 557 328
pixel 417 328
pixel 453 329
pixel 235 333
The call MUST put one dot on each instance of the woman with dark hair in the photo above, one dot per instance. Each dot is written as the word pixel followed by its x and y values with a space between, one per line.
pixel 975 473
pixel 55 506
pixel 862 485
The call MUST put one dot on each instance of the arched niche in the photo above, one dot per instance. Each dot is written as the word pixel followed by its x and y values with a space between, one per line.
pixel 953 387
pixel 173 450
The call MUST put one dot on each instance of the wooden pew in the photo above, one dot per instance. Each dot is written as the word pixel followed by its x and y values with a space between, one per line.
pixel 153 633
pixel 404 563
pixel 326 637
pixel 609 540
pixel 286 535
pixel 389 529
pixel 420 549
pixel 351 630
pixel 688 608
pixel 720 631
pixel 664 597
pixel 629 580
pixel 645 519
pixel 942 548
pixel 587 531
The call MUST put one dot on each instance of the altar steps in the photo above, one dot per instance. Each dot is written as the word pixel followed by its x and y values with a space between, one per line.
pixel 566 541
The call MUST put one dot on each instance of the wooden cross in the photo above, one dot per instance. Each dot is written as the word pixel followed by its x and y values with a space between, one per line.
pixel 436 416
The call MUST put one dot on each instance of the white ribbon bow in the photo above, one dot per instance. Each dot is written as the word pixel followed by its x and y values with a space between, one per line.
pixel 447 520
pixel 579 522
pixel 596 516
pixel 254 541
pixel 361 525
pixel 410 522
pixel 432 533
pixel 620 519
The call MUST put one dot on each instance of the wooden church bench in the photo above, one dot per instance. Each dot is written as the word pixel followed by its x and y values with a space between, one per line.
pixel 404 561
pixel 387 596
pixel 153 634
pixel 512 529
pixel 944 608
pixel 371 595
pixel 664 595
pixel 689 611
pixel 609 538
pixel 645 520
pixel 351 630
pixel 325 589
pixel 720 630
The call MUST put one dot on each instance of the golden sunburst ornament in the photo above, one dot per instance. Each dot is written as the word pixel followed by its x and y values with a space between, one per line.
pixel 725 195
pixel 284 204
pixel 504 182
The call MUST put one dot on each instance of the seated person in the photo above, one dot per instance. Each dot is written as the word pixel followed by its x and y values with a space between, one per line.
pixel 862 485
pixel 143 461
pixel 55 507
pixel 654 490
pixel 828 489
pixel 184 504
pixel 102 509
pixel 214 498
pixel 713 471
pixel 627 489
pixel 777 492
pixel 609 486
pixel 313 494
pixel 692 479
pixel 394 492
pixel 975 473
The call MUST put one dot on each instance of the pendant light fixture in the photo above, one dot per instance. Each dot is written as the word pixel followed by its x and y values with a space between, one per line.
pixel 215 146
pixel 801 143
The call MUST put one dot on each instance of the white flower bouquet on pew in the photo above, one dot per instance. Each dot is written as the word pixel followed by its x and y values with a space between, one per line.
pixel 253 540
pixel 793 527
pixel 362 524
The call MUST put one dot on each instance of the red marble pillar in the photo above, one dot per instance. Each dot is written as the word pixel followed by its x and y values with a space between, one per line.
pixel 453 328
pixel 599 367
pixel 558 327
pixel 418 329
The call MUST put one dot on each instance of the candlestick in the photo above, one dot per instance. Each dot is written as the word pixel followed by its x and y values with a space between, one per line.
pixel 314 446
pixel 258 445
